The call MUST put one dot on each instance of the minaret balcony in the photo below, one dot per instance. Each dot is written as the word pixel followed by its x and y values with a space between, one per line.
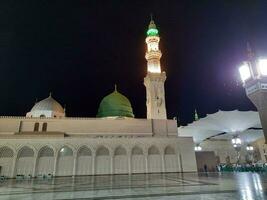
pixel 153 55
pixel 152 39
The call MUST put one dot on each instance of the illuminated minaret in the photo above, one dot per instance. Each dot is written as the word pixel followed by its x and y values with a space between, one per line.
pixel 154 80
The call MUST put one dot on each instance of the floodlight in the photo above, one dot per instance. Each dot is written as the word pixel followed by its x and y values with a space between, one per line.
pixel 262 66
pixel 245 72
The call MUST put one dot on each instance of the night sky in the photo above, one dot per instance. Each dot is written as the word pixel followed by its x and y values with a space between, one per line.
pixel 79 49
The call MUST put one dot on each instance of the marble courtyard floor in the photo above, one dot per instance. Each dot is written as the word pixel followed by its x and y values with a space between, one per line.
pixel 187 186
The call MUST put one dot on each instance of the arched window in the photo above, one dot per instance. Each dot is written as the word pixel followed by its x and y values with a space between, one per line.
pixel 65 151
pixel 46 152
pixel 137 151
pixel 44 128
pixel 36 126
pixel 102 151
pixel 42 116
pixel 169 150
pixel 25 152
pixel 6 152
pixel 120 151
pixel 84 151
pixel 153 150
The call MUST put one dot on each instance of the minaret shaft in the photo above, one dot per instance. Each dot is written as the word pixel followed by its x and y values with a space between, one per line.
pixel 155 79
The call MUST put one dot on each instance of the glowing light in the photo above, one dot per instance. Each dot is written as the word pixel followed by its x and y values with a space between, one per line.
pixel 62 150
pixel 153 67
pixel 198 148
pixel 262 65
pixel 152 32
pixel 153 46
pixel 250 148
pixel 236 141
pixel 245 72
pixel 154 70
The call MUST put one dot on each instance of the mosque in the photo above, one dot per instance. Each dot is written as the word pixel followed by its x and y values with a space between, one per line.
pixel 46 141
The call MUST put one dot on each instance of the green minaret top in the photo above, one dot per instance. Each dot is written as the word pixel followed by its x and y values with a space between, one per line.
pixel 115 105
pixel 196 115
pixel 152 28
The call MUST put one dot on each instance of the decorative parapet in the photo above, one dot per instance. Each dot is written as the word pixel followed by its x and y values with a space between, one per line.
pixel 67 118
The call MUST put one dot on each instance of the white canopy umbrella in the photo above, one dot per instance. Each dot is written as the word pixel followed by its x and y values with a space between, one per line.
pixel 247 136
pixel 230 122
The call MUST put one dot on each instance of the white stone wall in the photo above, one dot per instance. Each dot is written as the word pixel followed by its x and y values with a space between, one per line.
pixel 90 126
pixel 92 146
pixel 96 156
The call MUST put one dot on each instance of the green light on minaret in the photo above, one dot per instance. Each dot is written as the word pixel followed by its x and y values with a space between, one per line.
pixel 152 32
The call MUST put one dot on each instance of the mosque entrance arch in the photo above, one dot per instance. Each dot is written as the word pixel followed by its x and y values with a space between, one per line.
pixel 138 160
pixel 25 161
pixel 120 161
pixel 171 160
pixel 102 161
pixel 84 161
pixel 154 160
pixel 6 161
pixel 65 162
pixel 45 161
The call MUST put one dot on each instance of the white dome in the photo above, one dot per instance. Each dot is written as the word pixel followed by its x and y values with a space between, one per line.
pixel 48 107
pixel 48 104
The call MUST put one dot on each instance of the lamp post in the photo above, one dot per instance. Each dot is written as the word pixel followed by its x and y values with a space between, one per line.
pixel 254 76
pixel 250 150
pixel 236 141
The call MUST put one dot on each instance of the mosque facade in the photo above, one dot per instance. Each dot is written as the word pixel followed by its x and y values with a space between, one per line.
pixel 47 142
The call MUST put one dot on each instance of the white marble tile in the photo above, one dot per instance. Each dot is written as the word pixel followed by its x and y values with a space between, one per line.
pixel 246 186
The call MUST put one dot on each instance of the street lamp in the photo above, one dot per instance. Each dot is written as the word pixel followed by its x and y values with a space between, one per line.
pixel 254 76
pixel 236 141
pixel 250 157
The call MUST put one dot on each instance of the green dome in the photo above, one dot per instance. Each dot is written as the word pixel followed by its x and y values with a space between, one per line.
pixel 115 105
pixel 152 29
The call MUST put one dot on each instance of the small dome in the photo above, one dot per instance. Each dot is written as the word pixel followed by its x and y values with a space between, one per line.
pixel 48 107
pixel 115 105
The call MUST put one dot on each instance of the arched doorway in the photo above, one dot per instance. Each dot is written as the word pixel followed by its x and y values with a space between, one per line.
pixel 84 161
pixel 45 161
pixel 25 161
pixel 154 160
pixel 171 161
pixel 6 161
pixel 102 161
pixel 120 161
pixel 138 160
pixel 65 162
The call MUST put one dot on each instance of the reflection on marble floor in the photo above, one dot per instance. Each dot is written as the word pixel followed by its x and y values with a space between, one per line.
pixel 246 186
